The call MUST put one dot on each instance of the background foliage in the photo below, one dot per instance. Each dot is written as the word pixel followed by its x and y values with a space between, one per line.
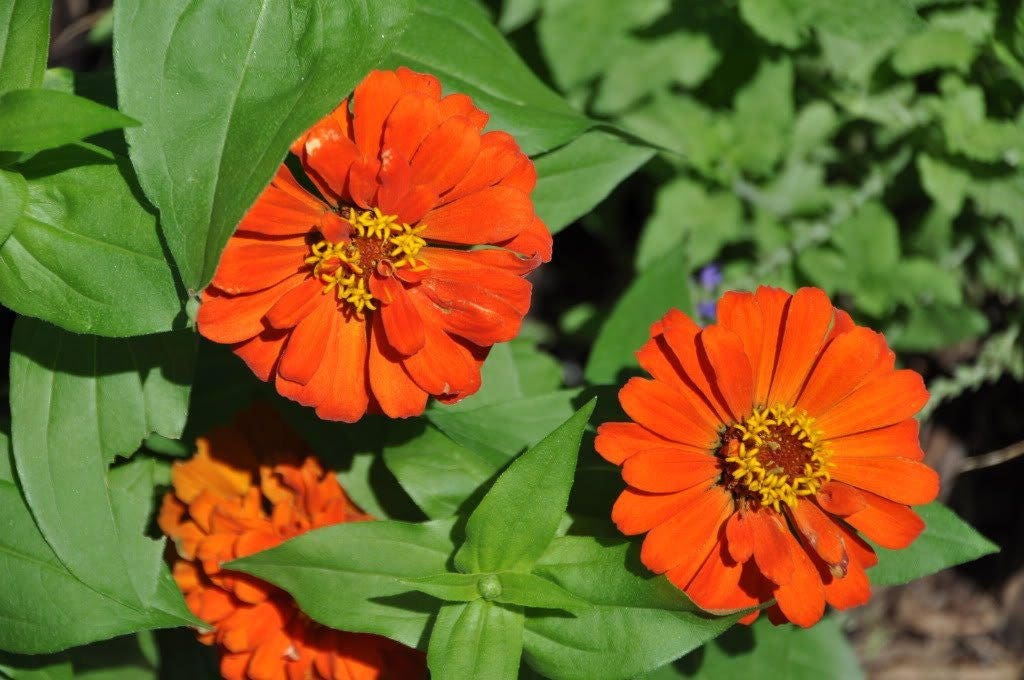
pixel 871 148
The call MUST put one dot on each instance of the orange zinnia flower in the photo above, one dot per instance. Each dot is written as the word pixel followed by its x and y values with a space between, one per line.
pixel 371 295
pixel 760 448
pixel 249 487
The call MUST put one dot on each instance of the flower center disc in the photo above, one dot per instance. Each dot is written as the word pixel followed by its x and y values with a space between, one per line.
pixel 775 456
pixel 378 244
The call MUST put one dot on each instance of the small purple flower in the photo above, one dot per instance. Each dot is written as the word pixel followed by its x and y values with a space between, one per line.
pixel 710 277
pixel 707 309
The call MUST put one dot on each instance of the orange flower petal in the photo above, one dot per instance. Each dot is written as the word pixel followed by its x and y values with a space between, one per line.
pixel 249 265
pixel 443 367
pixel 669 469
pixel 491 215
pixel 820 534
pixel 729 364
pixel 343 395
pixel 296 304
pixel 498 154
pixel 918 483
pixel 802 598
pixel 262 352
pixel 739 537
pixel 446 154
pixel 887 523
pixel 684 540
pixel 807 322
pixel 681 334
pixel 886 400
pixel 373 101
pixel 618 441
pixel 658 359
pixel 843 366
pixel 840 499
pixel 895 441
pixel 772 554
pixel 398 395
pixel 722 586
pixel 851 590
pixel 638 511
pixel 234 318
pixel 403 327
pixel 665 412
pixel 306 345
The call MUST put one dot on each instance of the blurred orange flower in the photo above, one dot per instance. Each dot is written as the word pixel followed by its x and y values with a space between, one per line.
pixel 250 486
pixel 761 446
pixel 371 294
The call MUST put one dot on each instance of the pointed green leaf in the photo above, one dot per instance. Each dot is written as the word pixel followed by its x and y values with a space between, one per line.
pixel 663 285
pixel 32 120
pixel 518 517
pixel 76 403
pixel 945 542
pixel 359 564
pixel 456 41
pixel 24 42
pixel 766 652
pixel 13 197
pixel 635 622
pixel 479 640
pixel 222 89
pixel 84 253
pixel 573 179
pixel 506 427
pixel 509 587
pixel 45 608
pixel 450 587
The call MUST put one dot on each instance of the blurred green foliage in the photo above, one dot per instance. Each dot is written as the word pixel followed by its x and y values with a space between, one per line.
pixel 869 148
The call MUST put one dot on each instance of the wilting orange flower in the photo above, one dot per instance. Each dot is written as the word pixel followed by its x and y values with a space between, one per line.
pixel 760 448
pixel 249 487
pixel 372 294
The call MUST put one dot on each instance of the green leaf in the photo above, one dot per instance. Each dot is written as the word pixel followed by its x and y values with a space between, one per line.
pixel 456 41
pixel 32 120
pixel 635 622
pixel 479 640
pixel 76 402
pixel 24 43
pixel 660 287
pixel 530 590
pixel 572 180
pixel 45 608
pixel 84 253
pixel 508 587
pixel 518 517
pixel 934 49
pixel 777 21
pixel 945 542
pixel 764 117
pixel 6 460
pixel 449 586
pixel 506 427
pixel 439 473
pixel 946 184
pixel 767 652
pixel 13 197
pixel 691 219
pixel 677 58
pixel 867 21
pixel 580 38
pixel 212 136
pixel 359 564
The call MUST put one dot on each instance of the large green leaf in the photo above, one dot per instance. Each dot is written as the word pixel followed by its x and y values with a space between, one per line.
pixel 517 518
pixel 31 120
pixel 13 197
pixel 477 640
pixel 222 89
pixel 575 178
pixel 945 542
pixel 768 652
pixel 507 587
pixel 507 427
pixel 84 253
pixel 45 608
pixel 456 41
pixel 634 624
pixel 77 402
pixel 439 473
pixel 359 565
pixel 661 286
pixel 24 42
